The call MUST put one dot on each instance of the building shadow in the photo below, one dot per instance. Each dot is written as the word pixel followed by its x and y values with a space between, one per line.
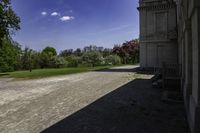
pixel 137 70
pixel 133 108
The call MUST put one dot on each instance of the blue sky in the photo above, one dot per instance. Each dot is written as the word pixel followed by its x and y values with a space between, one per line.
pixel 65 24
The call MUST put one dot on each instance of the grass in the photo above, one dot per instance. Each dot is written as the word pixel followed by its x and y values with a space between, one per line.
pixel 41 73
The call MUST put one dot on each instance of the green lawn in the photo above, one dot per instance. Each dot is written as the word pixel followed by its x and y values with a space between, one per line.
pixel 41 73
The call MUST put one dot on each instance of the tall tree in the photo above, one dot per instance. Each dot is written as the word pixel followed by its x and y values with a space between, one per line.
pixel 46 57
pixel 66 52
pixel 78 52
pixel 26 59
pixel 9 21
pixel 50 51
pixel 10 53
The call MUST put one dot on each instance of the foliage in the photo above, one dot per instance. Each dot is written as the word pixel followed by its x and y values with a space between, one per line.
pixel 49 51
pixel 113 60
pixel 106 52
pixel 129 51
pixel 93 57
pixel 66 53
pixel 73 61
pixel 45 60
pixel 47 57
pixel 9 56
pixel 26 59
pixel 92 48
pixel 78 52
pixel 35 58
pixel 12 57
pixel 9 21
pixel 59 62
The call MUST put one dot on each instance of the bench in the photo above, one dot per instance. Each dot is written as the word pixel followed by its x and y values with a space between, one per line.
pixel 171 76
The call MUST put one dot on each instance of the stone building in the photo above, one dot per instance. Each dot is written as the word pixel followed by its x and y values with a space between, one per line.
pixel 170 32
pixel 188 21
pixel 158 36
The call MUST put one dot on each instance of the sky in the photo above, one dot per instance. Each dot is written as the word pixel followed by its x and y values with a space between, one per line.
pixel 66 24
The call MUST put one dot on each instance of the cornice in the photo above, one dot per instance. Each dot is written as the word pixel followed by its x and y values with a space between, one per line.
pixel 157 7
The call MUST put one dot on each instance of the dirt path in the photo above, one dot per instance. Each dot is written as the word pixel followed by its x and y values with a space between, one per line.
pixel 33 105
pixel 112 101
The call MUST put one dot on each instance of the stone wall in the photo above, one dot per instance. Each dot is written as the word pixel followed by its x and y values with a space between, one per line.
pixel 171 33
pixel 188 16
pixel 158 36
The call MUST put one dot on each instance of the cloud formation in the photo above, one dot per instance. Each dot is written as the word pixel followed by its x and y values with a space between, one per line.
pixel 62 18
pixel 55 14
pixel 43 13
pixel 66 18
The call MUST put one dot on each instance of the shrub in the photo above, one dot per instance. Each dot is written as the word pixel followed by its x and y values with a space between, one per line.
pixel 113 60
pixel 73 61
pixel 92 57
pixel 59 62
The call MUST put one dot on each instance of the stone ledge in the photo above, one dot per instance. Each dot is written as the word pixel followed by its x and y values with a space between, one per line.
pixel 157 7
pixel 154 41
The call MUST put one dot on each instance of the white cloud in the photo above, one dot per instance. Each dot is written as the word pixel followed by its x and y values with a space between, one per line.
pixel 43 13
pixel 66 18
pixel 55 14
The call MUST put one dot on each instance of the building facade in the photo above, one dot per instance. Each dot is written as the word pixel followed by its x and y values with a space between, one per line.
pixel 170 32
pixel 158 36
pixel 188 21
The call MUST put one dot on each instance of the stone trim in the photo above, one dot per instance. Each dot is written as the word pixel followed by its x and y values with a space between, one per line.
pixel 157 7
pixel 154 41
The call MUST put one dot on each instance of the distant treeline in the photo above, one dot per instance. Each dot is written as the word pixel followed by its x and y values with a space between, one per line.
pixel 13 57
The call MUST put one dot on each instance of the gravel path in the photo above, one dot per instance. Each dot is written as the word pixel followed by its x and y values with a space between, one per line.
pixel 33 105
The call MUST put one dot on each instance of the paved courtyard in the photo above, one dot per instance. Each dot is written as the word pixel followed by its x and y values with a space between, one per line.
pixel 119 100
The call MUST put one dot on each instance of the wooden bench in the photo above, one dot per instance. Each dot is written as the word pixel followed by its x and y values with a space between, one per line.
pixel 171 76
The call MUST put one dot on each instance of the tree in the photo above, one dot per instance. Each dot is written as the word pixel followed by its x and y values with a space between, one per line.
pixel 44 60
pixel 128 51
pixel 78 52
pixel 9 21
pixel 26 59
pixel 113 60
pixel 73 61
pixel 46 57
pixel 118 50
pixel 92 48
pixel 66 52
pixel 106 52
pixel 59 62
pixel 50 51
pixel 9 56
pixel 35 58
pixel 94 58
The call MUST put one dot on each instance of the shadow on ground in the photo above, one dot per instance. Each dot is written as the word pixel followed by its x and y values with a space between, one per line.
pixel 133 108
pixel 137 70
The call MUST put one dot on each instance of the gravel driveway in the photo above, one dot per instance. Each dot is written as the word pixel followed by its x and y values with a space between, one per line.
pixel 31 106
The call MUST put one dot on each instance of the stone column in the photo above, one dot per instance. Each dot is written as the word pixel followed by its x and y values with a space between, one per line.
pixel 143 45
pixel 188 63
pixel 194 14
